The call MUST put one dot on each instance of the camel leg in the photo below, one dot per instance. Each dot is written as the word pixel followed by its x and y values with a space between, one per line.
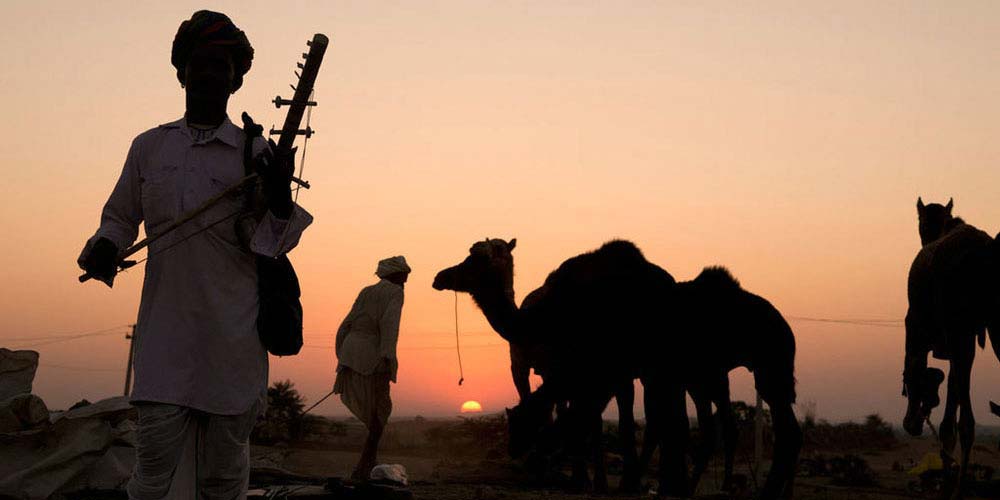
pixel 597 450
pixel 787 443
pixel 667 410
pixel 586 432
pixel 649 436
pixel 520 371
pixel 947 428
pixel 994 333
pixel 706 428
pixel 625 398
pixel 577 429
pixel 730 433
pixel 962 368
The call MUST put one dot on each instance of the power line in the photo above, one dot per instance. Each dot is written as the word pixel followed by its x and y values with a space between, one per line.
pixel 415 348
pixel 881 323
pixel 64 335
pixel 79 368
pixel 65 339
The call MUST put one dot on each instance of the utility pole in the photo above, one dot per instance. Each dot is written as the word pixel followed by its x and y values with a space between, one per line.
pixel 128 367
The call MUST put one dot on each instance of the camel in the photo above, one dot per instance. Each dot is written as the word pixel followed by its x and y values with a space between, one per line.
pixel 954 299
pixel 570 319
pixel 720 326
pixel 604 317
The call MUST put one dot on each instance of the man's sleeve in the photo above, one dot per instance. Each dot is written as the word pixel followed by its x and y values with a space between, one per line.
pixel 274 236
pixel 122 213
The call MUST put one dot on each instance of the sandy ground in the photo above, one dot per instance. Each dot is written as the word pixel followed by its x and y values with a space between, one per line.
pixel 468 474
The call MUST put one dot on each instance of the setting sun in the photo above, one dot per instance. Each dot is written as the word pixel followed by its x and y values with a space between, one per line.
pixel 471 407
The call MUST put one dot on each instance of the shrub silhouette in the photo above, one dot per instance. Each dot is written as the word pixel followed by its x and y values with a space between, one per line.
pixel 282 422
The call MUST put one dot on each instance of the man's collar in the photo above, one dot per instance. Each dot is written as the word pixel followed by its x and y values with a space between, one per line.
pixel 228 132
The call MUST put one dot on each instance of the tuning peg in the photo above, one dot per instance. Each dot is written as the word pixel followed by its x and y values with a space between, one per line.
pixel 305 56
pixel 292 86
pixel 300 65
pixel 309 43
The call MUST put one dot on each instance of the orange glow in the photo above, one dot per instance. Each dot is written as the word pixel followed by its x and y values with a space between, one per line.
pixel 787 142
pixel 472 407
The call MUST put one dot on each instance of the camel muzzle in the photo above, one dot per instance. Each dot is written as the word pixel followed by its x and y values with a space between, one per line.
pixel 445 280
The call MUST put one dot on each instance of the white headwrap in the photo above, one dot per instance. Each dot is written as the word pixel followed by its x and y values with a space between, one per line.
pixel 392 265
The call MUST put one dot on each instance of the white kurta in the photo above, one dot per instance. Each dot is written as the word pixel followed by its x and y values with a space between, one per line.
pixel 370 331
pixel 197 343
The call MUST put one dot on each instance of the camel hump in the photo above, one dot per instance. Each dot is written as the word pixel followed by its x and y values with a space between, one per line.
pixel 717 276
pixel 622 249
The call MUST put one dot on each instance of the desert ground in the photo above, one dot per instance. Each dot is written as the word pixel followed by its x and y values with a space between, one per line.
pixel 465 458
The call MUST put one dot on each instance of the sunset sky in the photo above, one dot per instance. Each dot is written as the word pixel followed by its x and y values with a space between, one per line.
pixel 786 140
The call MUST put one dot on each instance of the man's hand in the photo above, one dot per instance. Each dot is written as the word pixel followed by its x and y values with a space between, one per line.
pixel 275 166
pixel 102 261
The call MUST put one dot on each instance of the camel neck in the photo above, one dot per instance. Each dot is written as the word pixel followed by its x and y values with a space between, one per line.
pixel 499 308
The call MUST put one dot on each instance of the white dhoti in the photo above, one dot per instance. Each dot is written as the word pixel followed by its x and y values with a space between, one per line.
pixel 366 396
pixel 187 454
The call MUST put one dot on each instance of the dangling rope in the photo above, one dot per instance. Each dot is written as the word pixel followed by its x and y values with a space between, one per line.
pixel 458 346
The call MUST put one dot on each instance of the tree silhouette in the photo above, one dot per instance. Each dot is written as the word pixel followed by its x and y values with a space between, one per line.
pixel 282 421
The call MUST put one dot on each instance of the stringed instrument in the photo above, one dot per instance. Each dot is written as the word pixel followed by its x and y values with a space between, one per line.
pixel 255 200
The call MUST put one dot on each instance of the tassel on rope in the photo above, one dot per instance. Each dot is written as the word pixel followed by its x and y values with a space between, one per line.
pixel 458 346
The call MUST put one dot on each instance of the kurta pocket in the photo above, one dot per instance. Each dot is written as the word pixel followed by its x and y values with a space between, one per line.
pixel 158 190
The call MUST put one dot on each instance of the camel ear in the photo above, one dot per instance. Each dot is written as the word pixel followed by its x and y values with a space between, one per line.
pixel 920 204
pixel 511 244
pixel 951 203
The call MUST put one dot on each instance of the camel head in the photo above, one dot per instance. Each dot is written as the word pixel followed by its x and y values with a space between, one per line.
pixel 527 423
pixel 921 391
pixel 933 219
pixel 489 266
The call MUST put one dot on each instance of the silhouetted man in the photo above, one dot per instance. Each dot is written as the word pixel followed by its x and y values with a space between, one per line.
pixel 200 369
pixel 366 352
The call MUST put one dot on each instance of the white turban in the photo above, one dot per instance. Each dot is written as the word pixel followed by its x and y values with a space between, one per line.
pixel 392 265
